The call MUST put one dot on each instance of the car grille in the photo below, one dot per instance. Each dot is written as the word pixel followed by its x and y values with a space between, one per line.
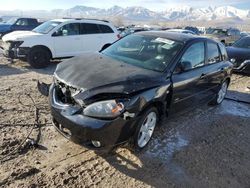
pixel 65 93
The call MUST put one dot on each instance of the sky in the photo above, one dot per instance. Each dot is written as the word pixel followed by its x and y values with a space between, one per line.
pixel 155 5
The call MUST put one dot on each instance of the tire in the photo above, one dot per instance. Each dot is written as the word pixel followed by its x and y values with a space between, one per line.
pixel 221 94
pixel 39 58
pixel 145 129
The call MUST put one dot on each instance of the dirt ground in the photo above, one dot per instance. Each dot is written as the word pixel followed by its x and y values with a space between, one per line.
pixel 204 147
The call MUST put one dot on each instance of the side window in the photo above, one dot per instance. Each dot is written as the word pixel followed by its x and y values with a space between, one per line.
pixel 105 29
pixel 237 32
pixel 88 28
pixel 69 29
pixel 213 54
pixel 230 32
pixel 32 22
pixel 192 58
pixel 22 22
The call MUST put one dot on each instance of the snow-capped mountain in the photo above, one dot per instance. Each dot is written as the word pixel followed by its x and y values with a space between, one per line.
pixel 181 13
pixel 209 13
pixel 177 13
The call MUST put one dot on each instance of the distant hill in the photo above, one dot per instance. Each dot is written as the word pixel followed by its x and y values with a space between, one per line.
pixel 184 13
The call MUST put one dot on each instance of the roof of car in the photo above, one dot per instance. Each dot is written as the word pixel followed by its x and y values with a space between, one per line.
pixel 172 35
pixel 180 30
pixel 78 19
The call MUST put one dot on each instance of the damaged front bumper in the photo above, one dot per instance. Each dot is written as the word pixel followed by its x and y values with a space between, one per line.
pixel 14 51
pixel 71 123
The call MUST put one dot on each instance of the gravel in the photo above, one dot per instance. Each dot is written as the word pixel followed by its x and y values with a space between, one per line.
pixel 203 147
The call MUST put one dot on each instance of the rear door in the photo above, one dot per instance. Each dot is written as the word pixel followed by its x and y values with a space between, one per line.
pixel 215 63
pixel 67 40
pixel 90 36
pixel 95 36
pixel 189 86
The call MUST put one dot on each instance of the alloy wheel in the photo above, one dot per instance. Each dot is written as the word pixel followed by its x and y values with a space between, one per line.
pixel 147 129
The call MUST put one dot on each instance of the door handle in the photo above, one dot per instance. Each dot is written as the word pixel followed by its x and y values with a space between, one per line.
pixel 202 76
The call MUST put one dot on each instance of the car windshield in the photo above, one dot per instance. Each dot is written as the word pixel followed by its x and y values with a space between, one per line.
pixel 242 43
pixel 11 21
pixel 46 27
pixel 145 51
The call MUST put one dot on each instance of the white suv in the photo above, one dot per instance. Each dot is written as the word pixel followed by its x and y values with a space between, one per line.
pixel 59 38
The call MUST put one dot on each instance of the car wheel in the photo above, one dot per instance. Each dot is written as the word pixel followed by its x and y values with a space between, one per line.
pixel 221 93
pixel 145 129
pixel 39 58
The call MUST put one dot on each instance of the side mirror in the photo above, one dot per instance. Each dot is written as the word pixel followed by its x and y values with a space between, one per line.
pixel 185 65
pixel 57 33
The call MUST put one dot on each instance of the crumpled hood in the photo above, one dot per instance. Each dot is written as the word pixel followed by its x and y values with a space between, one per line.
pixel 19 35
pixel 4 27
pixel 96 73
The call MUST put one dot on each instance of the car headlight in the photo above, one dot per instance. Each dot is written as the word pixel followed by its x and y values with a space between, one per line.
pixel 104 109
pixel 17 43
pixel 14 44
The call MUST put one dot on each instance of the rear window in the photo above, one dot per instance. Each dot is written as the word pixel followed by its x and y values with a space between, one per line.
pixel 105 29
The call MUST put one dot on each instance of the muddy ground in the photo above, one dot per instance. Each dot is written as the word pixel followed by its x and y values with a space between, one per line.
pixel 204 147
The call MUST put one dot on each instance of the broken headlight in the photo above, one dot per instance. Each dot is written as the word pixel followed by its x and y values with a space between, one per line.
pixel 13 44
pixel 104 109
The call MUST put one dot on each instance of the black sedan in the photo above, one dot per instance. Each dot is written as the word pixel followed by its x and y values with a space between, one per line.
pixel 239 54
pixel 102 99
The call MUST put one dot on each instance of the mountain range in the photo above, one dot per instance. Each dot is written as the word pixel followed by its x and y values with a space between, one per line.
pixel 183 13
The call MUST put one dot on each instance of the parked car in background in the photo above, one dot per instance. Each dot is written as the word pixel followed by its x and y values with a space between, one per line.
pixel 193 29
pixel 15 24
pixel 239 54
pixel 59 38
pixel 141 78
pixel 132 30
pixel 243 34
pixel 226 36
pixel 182 31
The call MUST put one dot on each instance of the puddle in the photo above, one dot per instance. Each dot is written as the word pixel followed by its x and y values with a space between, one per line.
pixel 234 108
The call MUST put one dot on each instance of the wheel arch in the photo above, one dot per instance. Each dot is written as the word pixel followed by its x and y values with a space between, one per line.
pixel 43 47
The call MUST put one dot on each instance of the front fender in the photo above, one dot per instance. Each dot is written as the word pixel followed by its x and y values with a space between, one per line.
pixel 142 101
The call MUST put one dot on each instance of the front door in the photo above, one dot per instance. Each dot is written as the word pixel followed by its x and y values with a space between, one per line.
pixel 190 79
pixel 67 40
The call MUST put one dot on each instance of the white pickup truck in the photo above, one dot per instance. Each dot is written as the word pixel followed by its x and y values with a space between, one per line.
pixel 59 38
